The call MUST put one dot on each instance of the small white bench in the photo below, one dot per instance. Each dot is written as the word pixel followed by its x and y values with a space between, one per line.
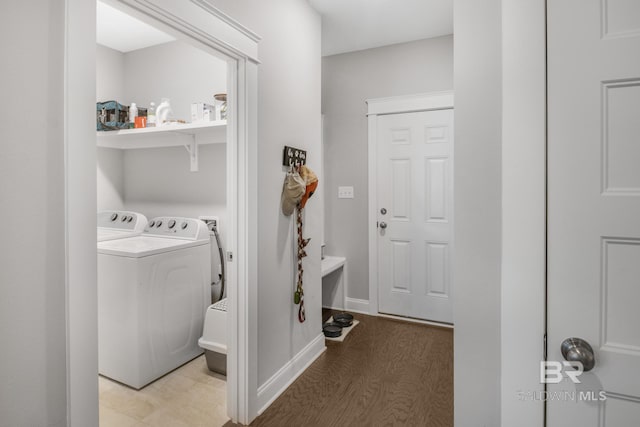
pixel 334 286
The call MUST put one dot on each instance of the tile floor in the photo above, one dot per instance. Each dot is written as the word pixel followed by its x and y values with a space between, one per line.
pixel 190 396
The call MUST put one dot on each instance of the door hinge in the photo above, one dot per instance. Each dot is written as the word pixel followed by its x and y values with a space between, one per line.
pixel 544 347
pixel 229 256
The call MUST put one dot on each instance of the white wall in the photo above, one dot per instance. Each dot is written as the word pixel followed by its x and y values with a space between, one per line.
pixel 347 81
pixel 174 70
pixel 110 179
pixel 110 76
pixel 35 381
pixel 478 181
pixel 159 183
pixel 32 272
pixel 289 114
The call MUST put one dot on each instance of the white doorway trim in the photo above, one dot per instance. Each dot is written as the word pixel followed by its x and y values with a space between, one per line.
pixel 199 22
pixel 523 271
pixel 377 107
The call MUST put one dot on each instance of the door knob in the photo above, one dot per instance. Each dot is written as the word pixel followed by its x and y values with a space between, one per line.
pixel 578 350
pixel 383 225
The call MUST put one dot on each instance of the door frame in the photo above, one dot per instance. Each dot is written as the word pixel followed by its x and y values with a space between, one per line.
pixel 201 22
pixel 442 100
pixel 524 210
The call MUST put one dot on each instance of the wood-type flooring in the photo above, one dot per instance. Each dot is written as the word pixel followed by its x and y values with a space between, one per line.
pixel 386 373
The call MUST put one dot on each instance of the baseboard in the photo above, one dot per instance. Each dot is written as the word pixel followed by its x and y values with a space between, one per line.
pixel 357 305
pixel 278 383
pixel 362 306
pixel 420 321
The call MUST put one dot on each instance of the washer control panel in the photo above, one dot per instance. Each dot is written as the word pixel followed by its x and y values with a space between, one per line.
pixel 177 227
pixel 122 220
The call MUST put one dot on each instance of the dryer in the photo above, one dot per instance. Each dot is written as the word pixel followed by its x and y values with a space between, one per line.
pixel 153 292
pixel 119 224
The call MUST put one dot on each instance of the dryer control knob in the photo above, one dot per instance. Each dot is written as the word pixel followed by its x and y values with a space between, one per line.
pixel 124 218
pixel 114 217
pixel 184 225
pixel 172 223
pixel 152 223
pixel 158 224
pixel 130 218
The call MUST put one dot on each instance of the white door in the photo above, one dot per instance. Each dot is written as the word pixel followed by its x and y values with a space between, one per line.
pixel 594 206
pixel 415 213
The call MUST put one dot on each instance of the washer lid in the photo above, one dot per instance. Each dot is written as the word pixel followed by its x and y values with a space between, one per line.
pixel 144 245
pixel 105 234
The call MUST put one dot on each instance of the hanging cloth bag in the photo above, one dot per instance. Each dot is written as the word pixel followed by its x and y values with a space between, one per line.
pixel 293 188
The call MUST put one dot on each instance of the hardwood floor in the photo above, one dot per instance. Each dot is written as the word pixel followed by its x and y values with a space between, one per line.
pixel 385 373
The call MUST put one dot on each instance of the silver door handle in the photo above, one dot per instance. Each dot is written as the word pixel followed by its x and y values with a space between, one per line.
pixel 383 225
pixel 578 350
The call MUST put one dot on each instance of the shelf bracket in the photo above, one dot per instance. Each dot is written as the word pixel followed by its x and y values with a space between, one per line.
pixel 192 149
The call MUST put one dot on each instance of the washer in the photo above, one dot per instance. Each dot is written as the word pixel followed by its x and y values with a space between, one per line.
pixel 119 224
pixel 153 291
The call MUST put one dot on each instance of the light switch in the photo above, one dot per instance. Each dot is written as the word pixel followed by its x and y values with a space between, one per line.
pixel 345 192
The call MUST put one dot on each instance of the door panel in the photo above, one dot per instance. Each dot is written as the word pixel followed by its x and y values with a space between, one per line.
pixel 594 204
pixel 415 186
pixel 436 188
pixel 401 189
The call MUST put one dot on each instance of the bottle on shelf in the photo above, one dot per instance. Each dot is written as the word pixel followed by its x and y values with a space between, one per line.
pixel 133 113
pixel 163 112
pixel 151 115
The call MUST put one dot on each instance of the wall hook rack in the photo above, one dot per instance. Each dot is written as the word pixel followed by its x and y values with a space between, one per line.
pixel 292 156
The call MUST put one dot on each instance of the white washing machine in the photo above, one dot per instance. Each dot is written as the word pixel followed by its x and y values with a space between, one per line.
pixel 153 291
pixel 119 224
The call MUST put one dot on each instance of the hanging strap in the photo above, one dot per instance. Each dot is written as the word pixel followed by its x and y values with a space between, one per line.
pixel 302 243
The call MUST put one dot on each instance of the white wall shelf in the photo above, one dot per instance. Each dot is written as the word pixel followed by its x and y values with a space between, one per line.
pixel 188 135
pixel 164 136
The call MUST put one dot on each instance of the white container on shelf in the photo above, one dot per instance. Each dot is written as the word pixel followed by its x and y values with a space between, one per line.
pixel 202 112
pixel 163 112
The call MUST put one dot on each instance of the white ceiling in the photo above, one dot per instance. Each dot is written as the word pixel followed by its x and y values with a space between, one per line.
pixel 124 33
pixel 347 25
pixel 350 25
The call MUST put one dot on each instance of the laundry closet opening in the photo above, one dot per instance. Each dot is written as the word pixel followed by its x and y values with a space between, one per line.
pixel 163 185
